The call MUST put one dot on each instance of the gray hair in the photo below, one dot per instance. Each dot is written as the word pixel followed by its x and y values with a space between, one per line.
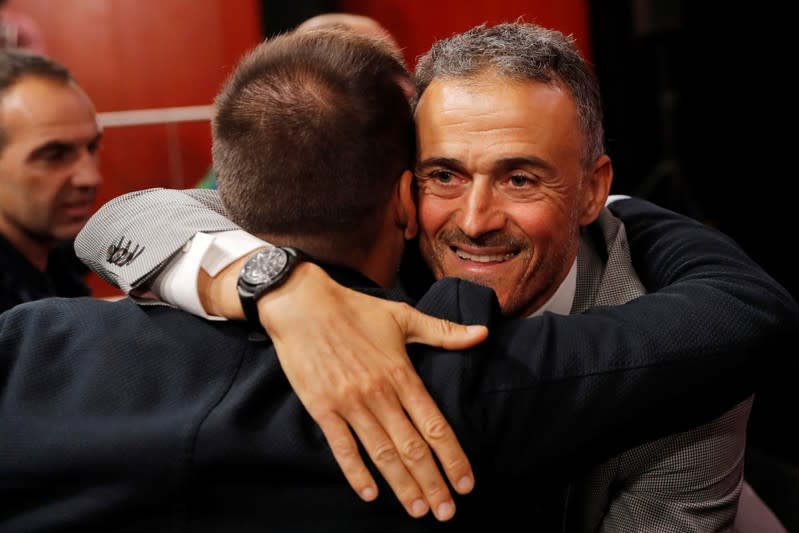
pixel 521 51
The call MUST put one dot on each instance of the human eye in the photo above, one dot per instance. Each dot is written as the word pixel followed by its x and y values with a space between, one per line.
pixel 438 176
pixel 520 180
pixel 520 186
pixel 54 154
pixel 58 156
pixel 440 182
pixel 94 146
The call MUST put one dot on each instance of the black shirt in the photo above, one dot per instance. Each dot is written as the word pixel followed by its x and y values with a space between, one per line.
pixel 20 281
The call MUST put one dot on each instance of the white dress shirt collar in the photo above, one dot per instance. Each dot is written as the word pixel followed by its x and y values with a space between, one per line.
pixel 561 302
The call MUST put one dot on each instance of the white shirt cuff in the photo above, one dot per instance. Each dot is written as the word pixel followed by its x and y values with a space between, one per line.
pixel 615 197
pixel 177 283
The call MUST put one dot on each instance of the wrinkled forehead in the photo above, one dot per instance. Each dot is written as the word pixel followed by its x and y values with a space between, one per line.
pixel 477 121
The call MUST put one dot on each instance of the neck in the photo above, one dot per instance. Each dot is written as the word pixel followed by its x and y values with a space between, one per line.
pixel 381 266
pixel 379 263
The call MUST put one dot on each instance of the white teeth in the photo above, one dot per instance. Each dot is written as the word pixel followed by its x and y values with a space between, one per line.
pixel 484 258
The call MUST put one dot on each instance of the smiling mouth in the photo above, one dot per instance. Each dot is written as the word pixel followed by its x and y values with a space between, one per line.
pixel 484 258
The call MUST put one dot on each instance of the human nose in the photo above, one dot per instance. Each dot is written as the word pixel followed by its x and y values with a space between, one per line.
pixel 87 171
pixel 481 213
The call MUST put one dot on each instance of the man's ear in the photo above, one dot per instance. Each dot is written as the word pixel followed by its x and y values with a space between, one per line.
pixel 406 206
pixel 595 190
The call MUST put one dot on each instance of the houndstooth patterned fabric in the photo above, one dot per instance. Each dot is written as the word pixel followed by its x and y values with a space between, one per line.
pixel 112 226
pixel 687 482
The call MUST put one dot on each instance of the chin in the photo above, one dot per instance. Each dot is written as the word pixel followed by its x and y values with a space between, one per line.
pixel 68 232
pixel 481 280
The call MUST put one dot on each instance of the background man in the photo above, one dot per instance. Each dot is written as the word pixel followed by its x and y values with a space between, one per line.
pixel 18 30
pixel 49 140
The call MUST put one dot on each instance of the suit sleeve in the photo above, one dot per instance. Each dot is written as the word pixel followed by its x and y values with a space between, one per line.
pixel 151 225
pixel 574 390
pixel 691 480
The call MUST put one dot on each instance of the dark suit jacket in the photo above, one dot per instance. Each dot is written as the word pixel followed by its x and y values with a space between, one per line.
pixel 137 418
pixel 20 281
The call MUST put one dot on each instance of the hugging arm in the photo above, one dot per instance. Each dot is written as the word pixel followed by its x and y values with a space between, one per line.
pixel 582 388
pixel 715 320
pixel 367 386
pixel 613 377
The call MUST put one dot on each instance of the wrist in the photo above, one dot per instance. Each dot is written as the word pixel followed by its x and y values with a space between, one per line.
pixel 219 294
pixel 276 302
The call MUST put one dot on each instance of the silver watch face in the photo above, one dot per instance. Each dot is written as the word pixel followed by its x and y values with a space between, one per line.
pixel 264 266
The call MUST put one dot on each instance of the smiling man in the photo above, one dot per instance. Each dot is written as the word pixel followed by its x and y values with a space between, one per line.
pixel 513 180
pixel 49 176
pixel 501 201
pixel 511 166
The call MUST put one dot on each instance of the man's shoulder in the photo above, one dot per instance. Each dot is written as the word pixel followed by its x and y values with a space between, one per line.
pixel 713 442
pixel 16 269
pixel 63 313
pixel 86 316
pixel 85 330
pixel 631 209
pixel 460 301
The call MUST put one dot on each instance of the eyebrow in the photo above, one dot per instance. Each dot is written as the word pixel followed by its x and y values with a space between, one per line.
pixel 60 145
pixel 446 162
pixel 500 165
pixel 526 161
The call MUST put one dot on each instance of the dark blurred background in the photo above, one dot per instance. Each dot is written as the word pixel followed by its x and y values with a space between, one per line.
pixel 697 107
pixel 699 119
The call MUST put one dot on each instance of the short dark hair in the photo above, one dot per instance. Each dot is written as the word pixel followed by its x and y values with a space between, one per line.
pixel 521 51
pixel 311 133
pixel 18 63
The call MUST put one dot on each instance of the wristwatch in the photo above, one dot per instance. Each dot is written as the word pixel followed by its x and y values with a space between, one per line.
pixel 266 269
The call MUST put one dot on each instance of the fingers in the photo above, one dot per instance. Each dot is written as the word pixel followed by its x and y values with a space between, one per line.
pixel 369 407
pixel 426 329
pixel 389 437
pixel 435 430
pixel 409 449
pixel 344 354
pixel 388 460
pixel 347 455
